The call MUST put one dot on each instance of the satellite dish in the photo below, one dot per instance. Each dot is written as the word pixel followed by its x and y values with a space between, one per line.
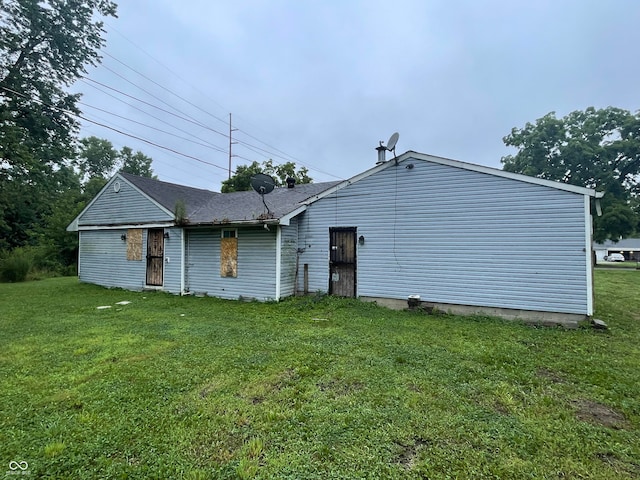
pixel 262 183
pixel 393 139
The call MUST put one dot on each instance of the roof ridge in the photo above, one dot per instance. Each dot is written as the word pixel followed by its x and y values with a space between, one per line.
pixel 131 176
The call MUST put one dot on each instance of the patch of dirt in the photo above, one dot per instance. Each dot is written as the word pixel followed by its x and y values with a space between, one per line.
pixel 550 375
pixel 409 453
pixel 598 414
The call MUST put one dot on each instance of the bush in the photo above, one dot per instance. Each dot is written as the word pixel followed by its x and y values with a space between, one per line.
pixel 16 265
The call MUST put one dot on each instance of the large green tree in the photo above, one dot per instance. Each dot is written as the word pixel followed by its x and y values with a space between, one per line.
pixel 97 158
pixel 135 163
pixel 241 180
pixel 595 148
pixel 45 45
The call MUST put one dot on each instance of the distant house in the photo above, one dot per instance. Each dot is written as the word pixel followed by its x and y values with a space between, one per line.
pixel 628 247
pixel 461 237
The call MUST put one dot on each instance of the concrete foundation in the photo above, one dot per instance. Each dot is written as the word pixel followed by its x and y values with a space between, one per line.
pixel 567 320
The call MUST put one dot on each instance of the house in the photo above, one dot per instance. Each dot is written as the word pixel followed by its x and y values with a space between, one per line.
pixel 460 237
pixel 628 247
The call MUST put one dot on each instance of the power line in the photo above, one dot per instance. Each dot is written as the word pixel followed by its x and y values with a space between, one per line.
pixel 271 153
pixel 136 137
pixel 290 157
pixel 206 144
pixel 163 65
pixel 254 148
pixel 165 88
pixel 150 142
pixel 87 79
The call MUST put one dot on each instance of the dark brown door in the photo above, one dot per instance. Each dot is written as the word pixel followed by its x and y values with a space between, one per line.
pixel 155 256
pixel 342 261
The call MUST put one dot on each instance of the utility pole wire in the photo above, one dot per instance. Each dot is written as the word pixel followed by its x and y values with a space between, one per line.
pixel 186 119
pixel 82 117
pixel 212 145
pixel 290 157
pixel 154 128
pixel 270 153
pixel 166 89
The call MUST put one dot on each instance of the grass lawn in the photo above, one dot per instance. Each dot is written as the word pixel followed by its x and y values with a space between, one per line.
pixel 198 388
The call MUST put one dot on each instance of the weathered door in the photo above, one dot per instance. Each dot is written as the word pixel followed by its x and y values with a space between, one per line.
pixel 155 256
pixel 342 261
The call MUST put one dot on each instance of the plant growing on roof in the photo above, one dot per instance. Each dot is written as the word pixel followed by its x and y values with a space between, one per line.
pixel 180 213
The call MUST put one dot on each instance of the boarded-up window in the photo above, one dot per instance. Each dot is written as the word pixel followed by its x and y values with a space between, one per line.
pixel 134 244
pixel 229 253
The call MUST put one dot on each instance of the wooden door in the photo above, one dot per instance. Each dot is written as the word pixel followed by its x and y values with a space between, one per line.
pixel 155 256
pixel 342 261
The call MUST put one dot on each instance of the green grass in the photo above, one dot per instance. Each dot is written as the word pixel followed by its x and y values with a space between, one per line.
pixel 315 387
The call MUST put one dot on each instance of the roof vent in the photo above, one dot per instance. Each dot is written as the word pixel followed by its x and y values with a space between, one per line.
pixel 382 154
pixel 291 182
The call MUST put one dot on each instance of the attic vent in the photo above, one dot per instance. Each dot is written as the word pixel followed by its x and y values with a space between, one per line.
pixel 291 182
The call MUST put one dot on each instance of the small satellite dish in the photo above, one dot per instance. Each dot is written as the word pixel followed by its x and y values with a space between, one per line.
pixel 262 183
pixel 393 139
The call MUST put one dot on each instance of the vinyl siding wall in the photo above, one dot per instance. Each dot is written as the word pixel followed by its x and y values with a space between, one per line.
pixel 127 206
pixel 256 264
pixel 455 236
pixel 102 260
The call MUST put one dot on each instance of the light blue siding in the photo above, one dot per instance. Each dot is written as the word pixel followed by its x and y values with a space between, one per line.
pixel 102 260
pixel 289 246
pixel 256 264
pixel 127 206
pixel 173 259
pixel 456 236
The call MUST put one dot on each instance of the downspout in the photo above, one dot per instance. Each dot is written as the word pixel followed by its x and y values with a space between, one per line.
pixel 79 244
pixel 278 260
pixel 183 232
pixel 588 230
pixel 588 218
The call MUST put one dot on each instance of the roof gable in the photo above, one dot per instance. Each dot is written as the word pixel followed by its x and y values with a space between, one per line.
pixel 415 156
pixel 120 202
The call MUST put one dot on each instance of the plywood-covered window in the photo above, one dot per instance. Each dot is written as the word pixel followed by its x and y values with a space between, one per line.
pixel 134 244
pixel 229 253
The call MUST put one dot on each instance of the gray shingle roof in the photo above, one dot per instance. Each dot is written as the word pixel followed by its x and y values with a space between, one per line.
pixel 206 207
pixel 168 194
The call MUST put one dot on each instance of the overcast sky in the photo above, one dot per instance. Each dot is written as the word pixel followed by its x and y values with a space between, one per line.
pixel 322 82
